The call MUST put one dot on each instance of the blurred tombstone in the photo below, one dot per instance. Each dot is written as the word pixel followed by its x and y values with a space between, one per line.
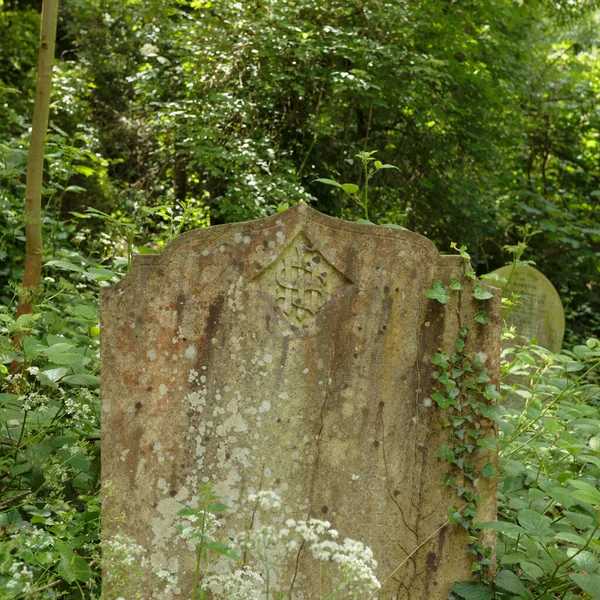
pixel 540 315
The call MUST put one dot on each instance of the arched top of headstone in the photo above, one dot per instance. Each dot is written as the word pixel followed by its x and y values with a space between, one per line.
pixel 540 315
pixel 299 219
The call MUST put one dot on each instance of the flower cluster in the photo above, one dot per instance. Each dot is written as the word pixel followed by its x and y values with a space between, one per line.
pixel 20 578
pixel 202 527
pixel 354 562
pixel 242 584
pixel 121 548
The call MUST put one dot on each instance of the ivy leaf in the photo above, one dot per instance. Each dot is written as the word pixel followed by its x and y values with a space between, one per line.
pixel 441 400
pixel 509 582
pixel 489 470
pixel 441 360
pixel 481 318
pixel 490 412
pixel 456 285
pixel 470 590
pixel 490 392
pixel 482 377
pixel 462 250
pixel 438 292
pixel 480 293
pixel 445 452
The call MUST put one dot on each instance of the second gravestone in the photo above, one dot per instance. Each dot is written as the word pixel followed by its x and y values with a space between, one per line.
pixel 292 354
pixel 539 313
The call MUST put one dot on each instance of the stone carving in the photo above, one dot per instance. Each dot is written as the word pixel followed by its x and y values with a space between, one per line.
pixel 304 281
pixel 237 359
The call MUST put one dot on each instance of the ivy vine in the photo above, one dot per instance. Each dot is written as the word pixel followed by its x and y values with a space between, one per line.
pixel 466 396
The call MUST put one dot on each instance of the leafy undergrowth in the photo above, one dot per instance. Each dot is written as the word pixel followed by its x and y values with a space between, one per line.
pixel 548 544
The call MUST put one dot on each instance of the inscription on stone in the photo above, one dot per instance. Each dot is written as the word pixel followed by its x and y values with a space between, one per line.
pixel 539 315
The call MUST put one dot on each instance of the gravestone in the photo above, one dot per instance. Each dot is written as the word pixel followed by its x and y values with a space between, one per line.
pixel 292 354
pixel 540 314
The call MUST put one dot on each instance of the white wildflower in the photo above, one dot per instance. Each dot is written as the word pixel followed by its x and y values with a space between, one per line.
pixel 243 584
pixel 266 500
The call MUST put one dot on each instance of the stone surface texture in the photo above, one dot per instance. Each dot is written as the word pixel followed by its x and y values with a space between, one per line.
pixel 292 354
pixel 540 315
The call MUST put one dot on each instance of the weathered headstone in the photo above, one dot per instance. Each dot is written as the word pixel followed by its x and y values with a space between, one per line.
pixel 540 314
pixel 292 354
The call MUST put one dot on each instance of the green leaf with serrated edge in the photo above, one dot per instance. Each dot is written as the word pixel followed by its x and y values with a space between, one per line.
pixel 72 567
pixel 561 495
pixel 350 188
pixel 586 562
pixel 585 492
pixel 480 293
pixel 471 590
pixel 509 582
pixel 539 526
pixel 70 359
pixel 438 292
pixel 12 517
pixel 590 584
pixel 52 375
pixel 83 379
pixel 595 443
pixel 223 549
pixel 502 527
pixel 65 265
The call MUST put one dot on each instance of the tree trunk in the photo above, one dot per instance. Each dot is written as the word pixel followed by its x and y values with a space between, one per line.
pixel 35 163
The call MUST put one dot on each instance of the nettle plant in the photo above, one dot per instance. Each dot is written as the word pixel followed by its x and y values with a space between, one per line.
pixel 548 540
pixel 346 569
